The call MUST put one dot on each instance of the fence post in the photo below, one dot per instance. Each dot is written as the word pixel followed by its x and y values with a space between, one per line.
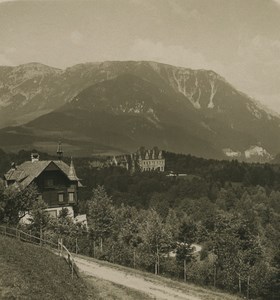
pixel 41 236
pixel 5 230
pixel 60 247
pixel 72 264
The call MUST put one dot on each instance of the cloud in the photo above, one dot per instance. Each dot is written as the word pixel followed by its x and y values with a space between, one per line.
pixel 3 1
pixel 4 61
pixel 10 50
pixel 179 9
pixel 5 55
pixel 145 4
pixel 76 37
pixel 144 49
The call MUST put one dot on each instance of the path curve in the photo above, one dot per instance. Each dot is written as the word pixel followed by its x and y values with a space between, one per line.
pixel 152 288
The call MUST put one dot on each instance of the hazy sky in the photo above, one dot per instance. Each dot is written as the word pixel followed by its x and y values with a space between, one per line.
pixel 239 39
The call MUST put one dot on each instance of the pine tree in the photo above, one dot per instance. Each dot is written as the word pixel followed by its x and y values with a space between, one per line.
pixel 100 216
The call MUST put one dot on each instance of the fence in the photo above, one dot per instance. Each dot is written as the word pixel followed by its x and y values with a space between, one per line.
pixel 58 247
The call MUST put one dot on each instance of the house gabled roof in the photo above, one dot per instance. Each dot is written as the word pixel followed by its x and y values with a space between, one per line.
pixel 28 171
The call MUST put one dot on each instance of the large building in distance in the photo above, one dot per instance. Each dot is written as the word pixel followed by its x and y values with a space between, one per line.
pixel 150 160
pixel 142 160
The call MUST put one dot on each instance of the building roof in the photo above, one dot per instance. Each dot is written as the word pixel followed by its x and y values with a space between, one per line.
pixel 28 171
pixel 149 154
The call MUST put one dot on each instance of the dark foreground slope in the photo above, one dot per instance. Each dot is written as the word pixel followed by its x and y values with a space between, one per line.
pixel 30 272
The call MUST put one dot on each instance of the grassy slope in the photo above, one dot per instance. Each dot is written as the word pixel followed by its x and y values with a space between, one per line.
pixel 30 272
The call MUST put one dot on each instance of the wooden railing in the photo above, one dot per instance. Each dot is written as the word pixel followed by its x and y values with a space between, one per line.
pixel 58 248
pixel 68 257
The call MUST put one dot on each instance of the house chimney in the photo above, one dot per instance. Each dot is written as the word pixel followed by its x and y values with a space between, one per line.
pixel 35 157
pixel 59 151
pixel 13 166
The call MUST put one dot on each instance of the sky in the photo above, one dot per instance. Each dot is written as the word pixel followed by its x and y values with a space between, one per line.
pixel 239 39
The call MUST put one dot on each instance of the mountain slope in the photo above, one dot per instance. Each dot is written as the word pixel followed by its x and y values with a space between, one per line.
pixel 118 106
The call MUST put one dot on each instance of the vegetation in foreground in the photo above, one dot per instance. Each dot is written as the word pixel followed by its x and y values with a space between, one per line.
pixel 30 272
pixel 232 209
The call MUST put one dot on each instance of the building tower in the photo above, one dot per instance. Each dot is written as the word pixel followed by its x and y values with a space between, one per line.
pixel 59 151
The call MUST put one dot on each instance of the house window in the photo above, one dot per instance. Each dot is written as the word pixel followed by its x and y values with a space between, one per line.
pixel 71 197
pixel 60 197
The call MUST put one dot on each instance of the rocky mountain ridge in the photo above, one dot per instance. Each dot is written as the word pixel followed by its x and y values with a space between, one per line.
pixel 150 103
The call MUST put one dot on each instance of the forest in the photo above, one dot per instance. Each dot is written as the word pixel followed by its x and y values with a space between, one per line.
pixel 150 221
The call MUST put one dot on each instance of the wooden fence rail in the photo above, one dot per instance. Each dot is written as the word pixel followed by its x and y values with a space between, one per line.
pixel 58 248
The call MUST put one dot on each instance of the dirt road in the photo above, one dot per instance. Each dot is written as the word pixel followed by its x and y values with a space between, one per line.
pixel 151 287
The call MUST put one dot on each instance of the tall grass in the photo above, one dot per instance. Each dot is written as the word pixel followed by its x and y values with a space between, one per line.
pixel 31 272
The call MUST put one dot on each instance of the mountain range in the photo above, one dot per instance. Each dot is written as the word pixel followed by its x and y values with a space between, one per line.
pixel 115 107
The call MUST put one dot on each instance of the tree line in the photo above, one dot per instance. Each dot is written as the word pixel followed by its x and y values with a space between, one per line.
pixel 240 251
pixel 150 221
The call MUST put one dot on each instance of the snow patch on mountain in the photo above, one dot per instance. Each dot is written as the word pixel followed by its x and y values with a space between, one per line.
pixel 231 153
pixel 213 92
pixel 139 108
pixel 257 151
pixel 151 112
pixel 252 154
pixel 254 111
pixel 181 77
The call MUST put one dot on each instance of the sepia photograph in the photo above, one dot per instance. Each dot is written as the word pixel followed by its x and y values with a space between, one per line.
pixel 139 149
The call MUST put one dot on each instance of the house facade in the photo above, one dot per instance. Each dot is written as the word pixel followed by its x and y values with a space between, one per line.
pixel 56 181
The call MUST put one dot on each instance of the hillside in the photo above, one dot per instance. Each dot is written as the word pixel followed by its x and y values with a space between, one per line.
pixel 114 107
pixel 31 272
